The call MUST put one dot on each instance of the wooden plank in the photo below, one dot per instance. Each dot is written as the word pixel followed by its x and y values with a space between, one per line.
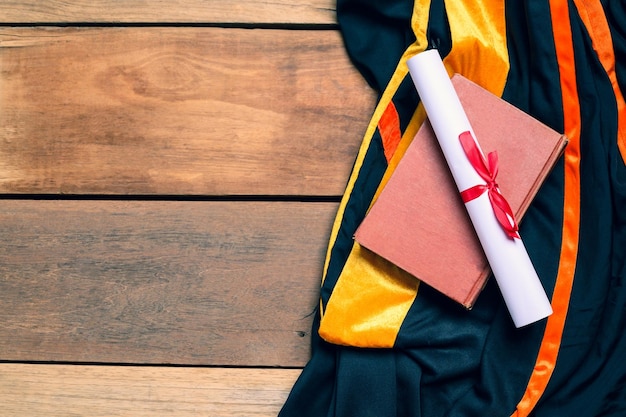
pixel 102 391
pixel 203 111
pixel 202 283
pixel 160 11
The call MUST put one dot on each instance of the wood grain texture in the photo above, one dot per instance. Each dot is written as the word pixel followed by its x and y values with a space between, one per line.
pixel 201 111
pixel 203 283
pixel 160 11
pixel 103 391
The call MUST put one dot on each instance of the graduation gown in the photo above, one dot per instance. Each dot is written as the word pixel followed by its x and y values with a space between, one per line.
pixel 384 344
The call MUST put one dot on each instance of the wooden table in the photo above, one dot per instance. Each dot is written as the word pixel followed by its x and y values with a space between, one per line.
pixel 169 173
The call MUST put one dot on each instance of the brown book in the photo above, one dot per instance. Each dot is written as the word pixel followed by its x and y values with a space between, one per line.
pixel 419 222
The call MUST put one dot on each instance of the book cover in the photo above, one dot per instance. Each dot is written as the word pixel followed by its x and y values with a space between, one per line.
pixel 419 222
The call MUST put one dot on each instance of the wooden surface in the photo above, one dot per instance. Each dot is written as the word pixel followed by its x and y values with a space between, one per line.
pixel 123 391
pixel 195 283
pixel 169 173
pixel 171 11
pixel 200 111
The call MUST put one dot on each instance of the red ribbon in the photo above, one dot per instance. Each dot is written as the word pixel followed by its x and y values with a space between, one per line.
pixel 488 171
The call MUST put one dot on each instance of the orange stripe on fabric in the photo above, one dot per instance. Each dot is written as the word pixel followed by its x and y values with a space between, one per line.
pixel 593 17
pixel 389 127
pixel 549 349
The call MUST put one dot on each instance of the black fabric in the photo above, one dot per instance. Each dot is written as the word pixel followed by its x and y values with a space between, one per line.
pixel 446 362
pixel 376 34
pixel 590 377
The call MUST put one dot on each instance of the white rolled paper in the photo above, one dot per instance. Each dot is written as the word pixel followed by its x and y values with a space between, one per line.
pixel 512 268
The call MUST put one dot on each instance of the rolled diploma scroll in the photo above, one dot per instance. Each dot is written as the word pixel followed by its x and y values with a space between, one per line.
pixel 512 268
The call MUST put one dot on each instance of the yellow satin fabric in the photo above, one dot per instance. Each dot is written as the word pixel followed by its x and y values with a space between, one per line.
pixel 372 297
pixel 479 49
pixel 367 311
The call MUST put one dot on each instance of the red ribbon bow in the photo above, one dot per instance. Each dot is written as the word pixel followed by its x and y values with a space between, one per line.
pixel 488 171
